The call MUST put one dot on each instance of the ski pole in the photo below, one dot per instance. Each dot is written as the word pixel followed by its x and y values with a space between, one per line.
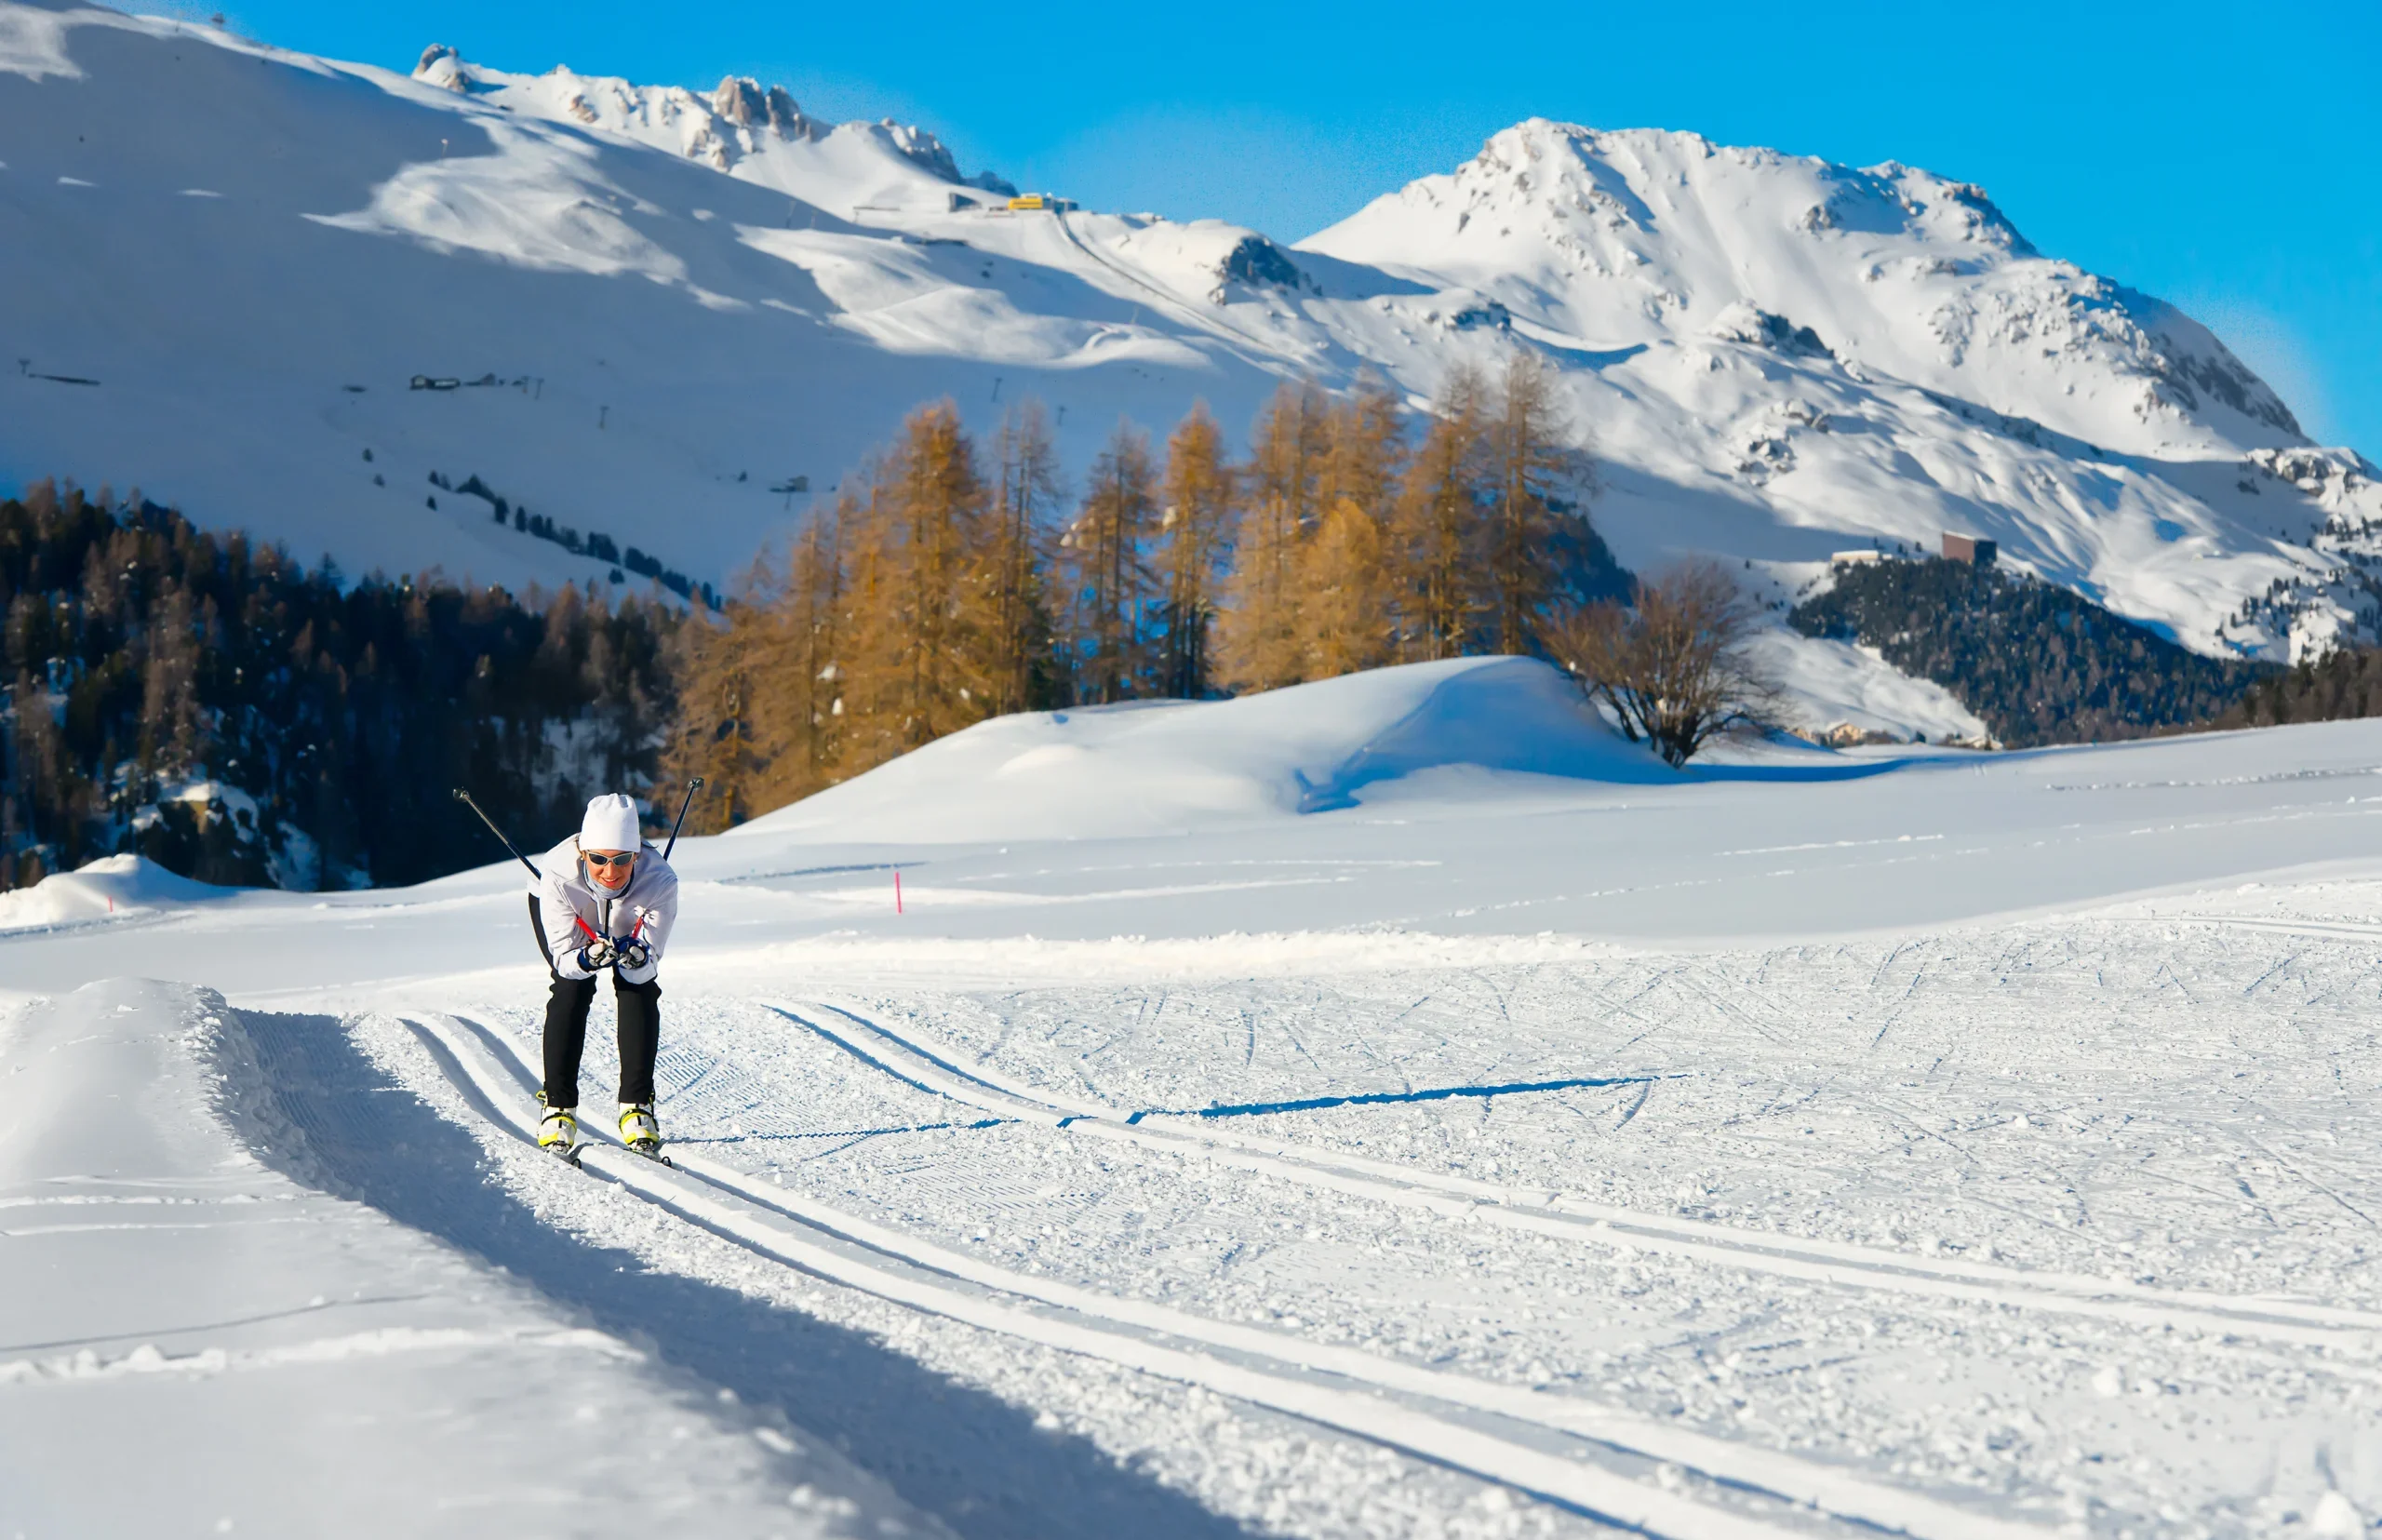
pixel 691 786
pixel 465 798
pixel 638 929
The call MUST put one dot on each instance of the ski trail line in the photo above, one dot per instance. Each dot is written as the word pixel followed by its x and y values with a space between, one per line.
pixel 2330 928
pixel 1560 1449
pixel 933 1067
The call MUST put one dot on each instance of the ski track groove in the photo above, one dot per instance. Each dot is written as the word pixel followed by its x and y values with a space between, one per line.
pixel 932 1066
pixel 1537 1442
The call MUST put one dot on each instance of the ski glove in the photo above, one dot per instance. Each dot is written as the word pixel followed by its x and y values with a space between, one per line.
pixel 633 954
pixel 596 956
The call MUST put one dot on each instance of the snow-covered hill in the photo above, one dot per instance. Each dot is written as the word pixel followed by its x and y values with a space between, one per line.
pixel 284 292
pixel 1501 725
pixel 1954 1147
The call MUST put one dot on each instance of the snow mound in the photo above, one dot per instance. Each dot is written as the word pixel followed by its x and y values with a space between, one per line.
pixel 1475 727
pixel 112 885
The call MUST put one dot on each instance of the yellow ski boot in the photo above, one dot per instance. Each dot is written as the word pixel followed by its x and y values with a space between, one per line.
pixel 639 1130
pixel 558 1133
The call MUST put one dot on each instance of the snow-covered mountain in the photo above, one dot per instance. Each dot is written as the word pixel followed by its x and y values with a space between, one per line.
pixel 285 293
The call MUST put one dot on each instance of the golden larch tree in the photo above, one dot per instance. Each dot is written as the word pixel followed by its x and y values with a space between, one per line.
pixel 1437 525
pixel 1528 454
pixel 1261 648
pixel 1107 567
pixel 1198 494
pixel 939 506
pixel 872 697
pixel 1345 584
pixel 1025 493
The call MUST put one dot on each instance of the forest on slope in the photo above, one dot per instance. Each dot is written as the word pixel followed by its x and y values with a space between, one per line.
pixel 946 584
pixel 240 719
pixel 2038 664
pixel 243 719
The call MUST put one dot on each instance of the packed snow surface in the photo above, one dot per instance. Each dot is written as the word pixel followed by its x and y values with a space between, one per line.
pixel 1392 1108
pixel 675 318
pixel 202 1339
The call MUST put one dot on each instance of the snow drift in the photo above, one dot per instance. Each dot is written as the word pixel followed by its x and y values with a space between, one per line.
pixel 1164 767
pixel 110 886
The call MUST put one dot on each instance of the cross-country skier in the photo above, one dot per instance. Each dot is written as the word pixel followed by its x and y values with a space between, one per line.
pixel 605 899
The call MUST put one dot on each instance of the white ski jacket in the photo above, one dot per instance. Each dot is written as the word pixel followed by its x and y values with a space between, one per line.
pixel 646 908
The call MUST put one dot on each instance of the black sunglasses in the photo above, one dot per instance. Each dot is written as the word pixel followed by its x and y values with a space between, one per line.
pixel 621 860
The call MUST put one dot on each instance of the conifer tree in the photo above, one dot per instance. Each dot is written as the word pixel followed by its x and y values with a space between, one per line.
pixel 1347 619
pixel 171 746
pixel 1439 534
pixel 1108 571
pixel 48 777
pixel 716 734
pixel 1529 457
pixel 1345 584
pixel 760 686
pixel 871 633
pixel 1261 643
pixel 1364 448
pixel 344 709
pixel 1027 493
pixel 1197 493
pixel 812 668
pixel 940 505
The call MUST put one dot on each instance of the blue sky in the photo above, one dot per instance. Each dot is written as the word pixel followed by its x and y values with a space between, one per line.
pixel 2226 157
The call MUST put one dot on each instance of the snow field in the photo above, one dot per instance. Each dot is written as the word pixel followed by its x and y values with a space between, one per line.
pixel 1279 1473
pixel 200 1340
pixel 1976 1397
pixel 1121 1332
pixel 1258 1172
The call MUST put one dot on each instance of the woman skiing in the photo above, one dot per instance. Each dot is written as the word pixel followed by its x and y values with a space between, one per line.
pixel 603 899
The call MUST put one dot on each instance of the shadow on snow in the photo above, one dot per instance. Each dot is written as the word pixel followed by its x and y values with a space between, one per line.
pixel 963 1454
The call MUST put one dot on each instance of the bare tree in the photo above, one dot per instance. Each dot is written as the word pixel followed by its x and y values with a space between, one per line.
pixel 1673 666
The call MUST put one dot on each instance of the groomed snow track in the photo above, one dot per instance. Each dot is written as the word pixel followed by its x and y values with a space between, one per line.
pixel 934 1067
pixel 1615 1465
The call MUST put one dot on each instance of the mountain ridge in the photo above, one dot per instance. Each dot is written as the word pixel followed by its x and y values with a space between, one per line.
pixel 686 317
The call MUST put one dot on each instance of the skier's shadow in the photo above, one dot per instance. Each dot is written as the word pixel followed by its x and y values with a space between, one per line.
pixel 973 1460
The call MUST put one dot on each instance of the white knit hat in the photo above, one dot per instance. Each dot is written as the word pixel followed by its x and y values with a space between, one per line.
pixel 611 825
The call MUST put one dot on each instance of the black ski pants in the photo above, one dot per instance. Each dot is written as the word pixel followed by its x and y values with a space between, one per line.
pixel 566 1005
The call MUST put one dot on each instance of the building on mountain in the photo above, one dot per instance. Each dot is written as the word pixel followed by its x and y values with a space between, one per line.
pixel 1969 550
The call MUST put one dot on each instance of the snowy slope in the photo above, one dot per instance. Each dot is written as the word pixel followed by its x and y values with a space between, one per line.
pixel 641 346
pixel 1161 767
pixel 1758 328
pixel 201 1340
pixel 660 308
pixel 1532 1135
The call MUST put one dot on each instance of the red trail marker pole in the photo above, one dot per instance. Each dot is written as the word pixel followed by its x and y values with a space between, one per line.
pixel 897 889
